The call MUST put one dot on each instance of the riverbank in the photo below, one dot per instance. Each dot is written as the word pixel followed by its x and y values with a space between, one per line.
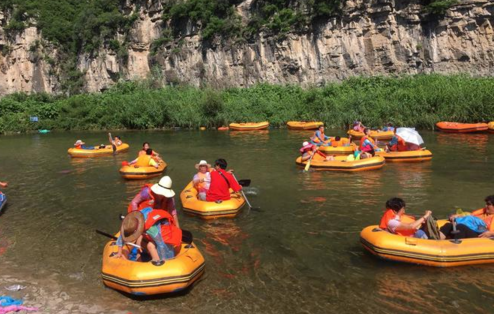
pixel 418 101
pixel 46 292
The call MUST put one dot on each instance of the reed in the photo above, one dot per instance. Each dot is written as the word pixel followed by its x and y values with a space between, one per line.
pixel 418 101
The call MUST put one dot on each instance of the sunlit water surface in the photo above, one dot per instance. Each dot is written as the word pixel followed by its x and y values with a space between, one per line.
pixel 299 253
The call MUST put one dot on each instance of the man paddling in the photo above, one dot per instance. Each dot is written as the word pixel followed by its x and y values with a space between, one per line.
pixel 221 183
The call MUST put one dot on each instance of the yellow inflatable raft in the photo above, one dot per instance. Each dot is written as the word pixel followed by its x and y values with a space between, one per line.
pixel 376 135
pixel 300 125
pixel 439 253
pixel 407 156
pixel 340 164
pixel 210 210
pixel 339 150
pixel 137 173
pixel 97 152
pixel 249 126
pixel 143 278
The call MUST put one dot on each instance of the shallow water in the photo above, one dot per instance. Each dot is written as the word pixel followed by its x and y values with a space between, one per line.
pixel 299 253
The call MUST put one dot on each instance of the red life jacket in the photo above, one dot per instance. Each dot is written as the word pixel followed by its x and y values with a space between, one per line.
pixel 149 203
pixel 170 233
pixel 390 214
pixel 362 140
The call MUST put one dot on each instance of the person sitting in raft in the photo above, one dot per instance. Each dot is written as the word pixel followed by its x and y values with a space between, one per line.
pixel 145 160
pixel 389 128
pixel 81 145
pixel 367 144
pixel 397 144
pixel 3 184
pixel 157 196
pixel 358 126
pixel 202 179
pixel 115 142
pixel 395 221
pixel 145 147
pixel 221 183
pixel 319 138
pixel 153 229
pixel 479 224
pixel 337 141
pixel 308 150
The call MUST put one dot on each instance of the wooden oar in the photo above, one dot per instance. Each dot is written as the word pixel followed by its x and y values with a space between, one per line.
pixel 187 237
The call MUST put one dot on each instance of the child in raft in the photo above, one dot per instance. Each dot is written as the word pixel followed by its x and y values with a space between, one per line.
pixel 146 160
pixel 309 149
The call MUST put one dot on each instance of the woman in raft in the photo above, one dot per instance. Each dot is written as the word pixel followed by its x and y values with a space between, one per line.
pixel 309 149
pixel 395 221
pixel 144 160
pixel 367 146
pixel 358 126
pixel 202 179
pixel 319 138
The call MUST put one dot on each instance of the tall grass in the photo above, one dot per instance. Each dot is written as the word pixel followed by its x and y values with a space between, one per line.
pixel 418 101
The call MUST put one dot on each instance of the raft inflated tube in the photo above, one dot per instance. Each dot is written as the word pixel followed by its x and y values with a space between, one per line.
pixel 407 156
pixel 210 210
pixel 301 125
pixel 339 150
pixel 88 153
pixel 454 127
pixel 143 278
pixel 137 173
pixel 491 126
pixel 438 253
pixel 3 201
pixel 341 164
pixel 376 135
pixel 251 126
pixel 223 128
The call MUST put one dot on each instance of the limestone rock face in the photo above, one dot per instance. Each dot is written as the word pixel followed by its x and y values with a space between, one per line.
pixel 374 37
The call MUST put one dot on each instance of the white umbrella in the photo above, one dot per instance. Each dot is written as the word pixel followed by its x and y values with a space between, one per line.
pixel 409 135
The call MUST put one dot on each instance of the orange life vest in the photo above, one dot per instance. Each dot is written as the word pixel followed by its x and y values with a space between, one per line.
pixel 488 219
pixel 389 214
pixel 143 161
pixel 341 142
pixel 170 233
pixel 202 186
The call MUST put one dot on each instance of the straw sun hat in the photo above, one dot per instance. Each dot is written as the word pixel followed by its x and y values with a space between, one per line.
pixel 132 226
pixel 202 163
pixel 164 187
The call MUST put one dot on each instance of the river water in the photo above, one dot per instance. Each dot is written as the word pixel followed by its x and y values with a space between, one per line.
pixel 299 253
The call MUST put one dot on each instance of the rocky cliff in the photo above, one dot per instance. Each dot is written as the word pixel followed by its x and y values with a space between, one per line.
pixel 373 37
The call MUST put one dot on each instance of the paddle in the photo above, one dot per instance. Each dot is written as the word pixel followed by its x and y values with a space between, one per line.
pixel 187 237
pixel 243 194
pixel 244 182
pixel 307 166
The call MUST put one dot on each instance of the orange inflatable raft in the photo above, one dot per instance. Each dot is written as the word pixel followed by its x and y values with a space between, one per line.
pixel 376 135
pixel 341 164
pixel 249 126
pixel 300 125
pixel 97 152
pixel 491 126
pixel 143 278
pixel 439 253
pixel 407 156
pixel 454 127
pixel 210 210
pixel 138 173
